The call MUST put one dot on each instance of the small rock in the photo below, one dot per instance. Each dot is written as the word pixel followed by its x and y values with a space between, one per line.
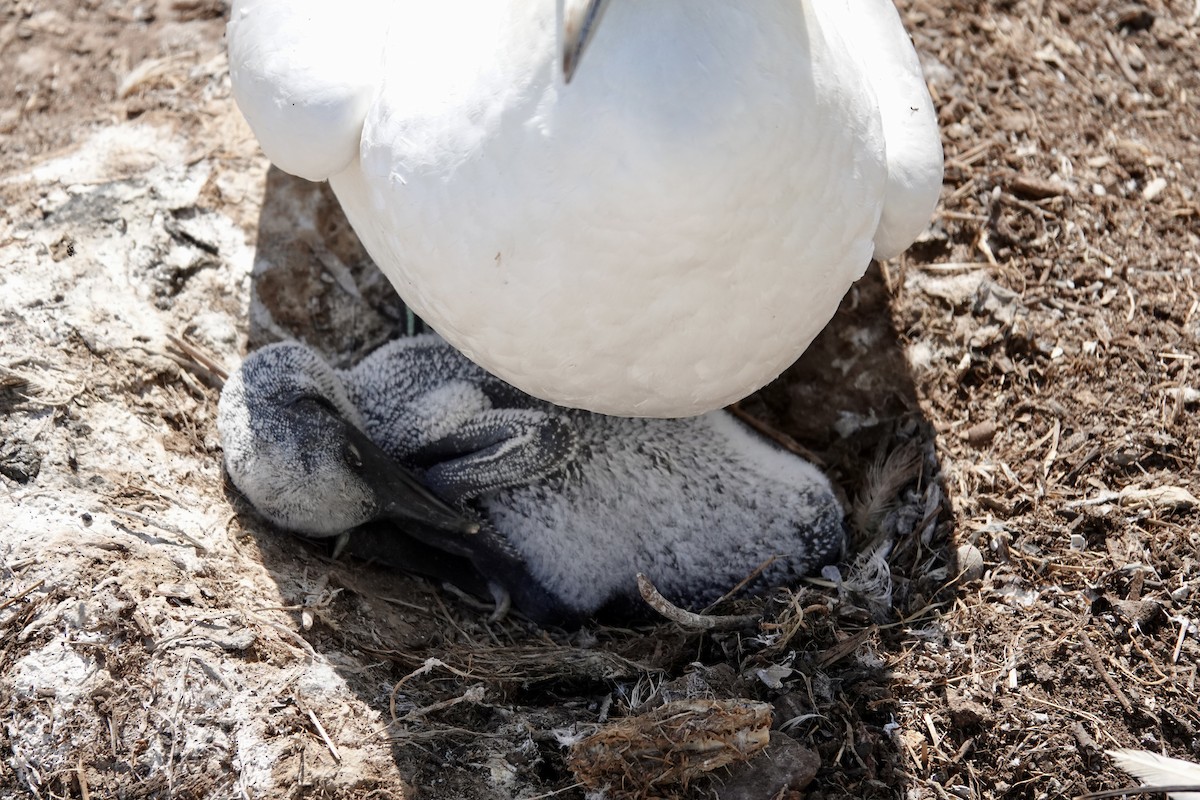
pixel 965 714
pixel 783 767
pixel 969 562
pixel 1141 614
pixel 1154 188
pixel 980 434
pixel 19 460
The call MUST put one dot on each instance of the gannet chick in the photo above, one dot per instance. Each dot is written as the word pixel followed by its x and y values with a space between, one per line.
pixel 573 504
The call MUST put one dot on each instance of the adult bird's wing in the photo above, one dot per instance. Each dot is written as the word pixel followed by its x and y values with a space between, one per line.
pixel 875 36
pixel 304 73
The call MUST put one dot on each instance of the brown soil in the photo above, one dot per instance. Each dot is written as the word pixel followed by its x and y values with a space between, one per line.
pixel 1024 375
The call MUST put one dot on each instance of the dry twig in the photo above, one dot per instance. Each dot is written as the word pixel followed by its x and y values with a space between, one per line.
pixel 689 619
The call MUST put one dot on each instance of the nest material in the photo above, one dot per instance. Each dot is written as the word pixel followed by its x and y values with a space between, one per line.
pixel 658 753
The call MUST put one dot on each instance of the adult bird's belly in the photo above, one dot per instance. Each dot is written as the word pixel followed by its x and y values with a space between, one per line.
pixel 661 237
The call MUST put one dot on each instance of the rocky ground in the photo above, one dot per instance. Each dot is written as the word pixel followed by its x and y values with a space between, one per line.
pixel 1009 410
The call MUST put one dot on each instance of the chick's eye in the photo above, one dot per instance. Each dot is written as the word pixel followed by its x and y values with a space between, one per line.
pixel 317 400
pixel 353 456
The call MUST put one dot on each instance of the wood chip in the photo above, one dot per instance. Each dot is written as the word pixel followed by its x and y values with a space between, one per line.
pixel 1032 188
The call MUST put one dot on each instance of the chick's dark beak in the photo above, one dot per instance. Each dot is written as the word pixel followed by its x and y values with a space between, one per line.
pixel 401 495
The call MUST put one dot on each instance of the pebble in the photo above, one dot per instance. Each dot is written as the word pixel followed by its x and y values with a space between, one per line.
pixel 782 768
pixel 969 561
pixel 981 434
pixel 1154 188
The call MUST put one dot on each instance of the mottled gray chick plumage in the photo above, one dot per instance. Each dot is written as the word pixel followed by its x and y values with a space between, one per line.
pixel 572 504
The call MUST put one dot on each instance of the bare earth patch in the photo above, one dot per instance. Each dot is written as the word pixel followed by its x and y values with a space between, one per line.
pixel 1009 409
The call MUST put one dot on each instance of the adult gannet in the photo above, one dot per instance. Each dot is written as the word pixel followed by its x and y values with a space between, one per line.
pixel 571 505
pixel 659 238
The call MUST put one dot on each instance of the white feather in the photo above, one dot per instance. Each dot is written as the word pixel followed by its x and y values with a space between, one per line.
pixel 660 238
pixel 1156 770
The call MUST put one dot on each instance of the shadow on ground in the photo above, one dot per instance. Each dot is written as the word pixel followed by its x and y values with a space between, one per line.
pixel 482 709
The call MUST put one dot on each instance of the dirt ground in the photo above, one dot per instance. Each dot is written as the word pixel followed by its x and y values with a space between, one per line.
pixel 1009 409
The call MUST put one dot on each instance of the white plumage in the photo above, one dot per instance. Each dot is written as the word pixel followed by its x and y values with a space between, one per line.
pixel 1156 770
pixel 659 238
